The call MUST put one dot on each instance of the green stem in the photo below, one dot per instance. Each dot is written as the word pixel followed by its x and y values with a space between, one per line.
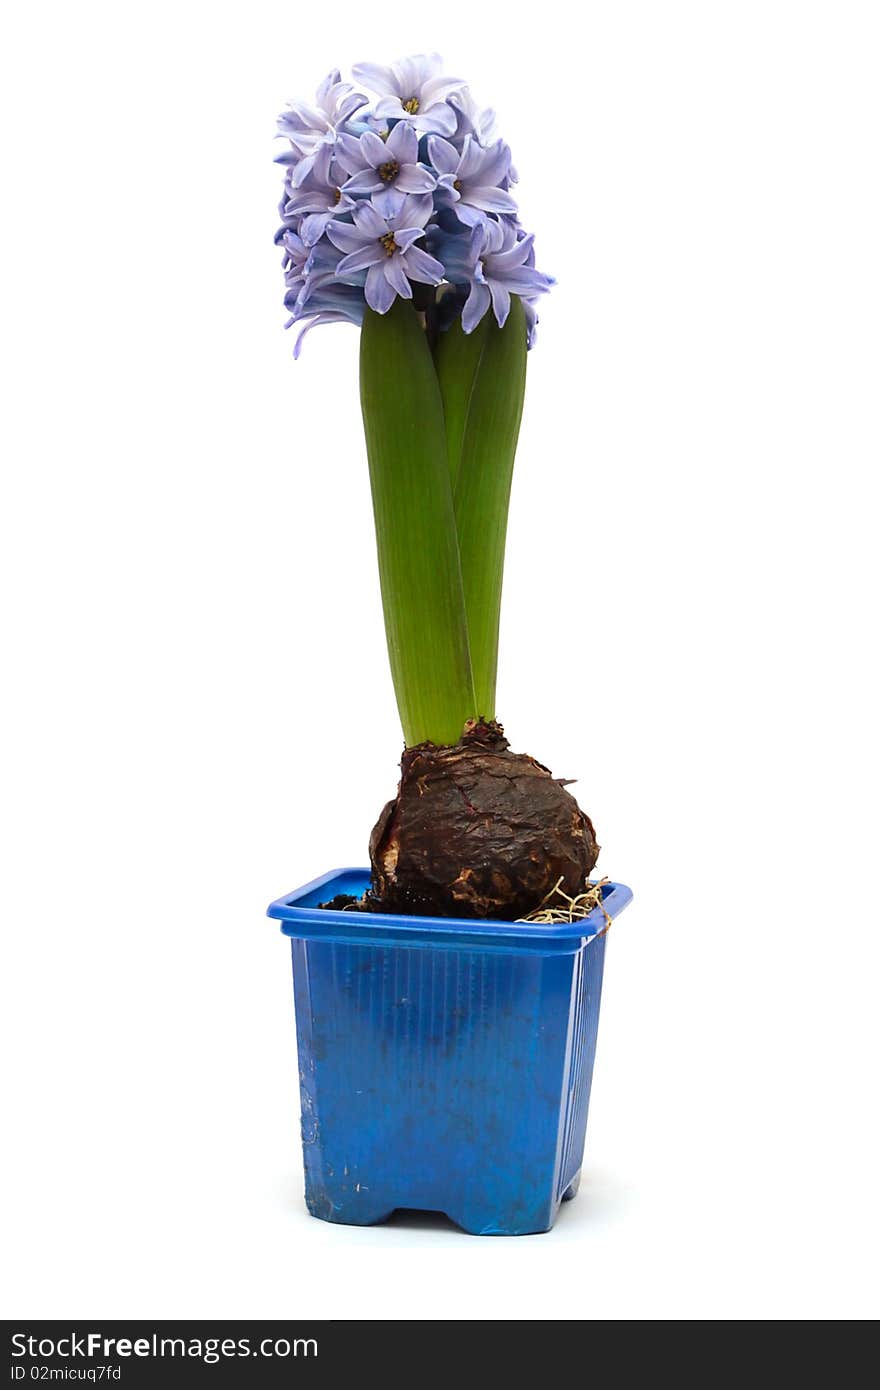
pixel 419 567
pixel 482 490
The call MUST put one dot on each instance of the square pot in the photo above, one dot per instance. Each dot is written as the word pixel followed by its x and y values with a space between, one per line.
pixel 445 1064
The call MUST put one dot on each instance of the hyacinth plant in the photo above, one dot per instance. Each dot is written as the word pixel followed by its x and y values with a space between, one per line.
pixel 399 217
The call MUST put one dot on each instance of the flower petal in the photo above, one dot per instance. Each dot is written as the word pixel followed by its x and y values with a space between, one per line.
pixel 415 210
pixel 378 291
pixel 497 236
pixel 500 301
pixel 321 163
pixel 294 244
pixel 392 106
pixel 395 274
pixel 443 156
pixel 494 165
pixel 414 178
pixel 516 256
pixel 405 236
pixel 314 226
pixel 345 237
pixel 392 203
pixel 368 221
pixel 526 281
pixel 386 200
pixel 348 154
pixel 402 144
pixel 333 78
pixel 471 217
pixel 420 266
pixel 305 116
pixel 440 120
pixel 374 75
pixel 412 73
pixel 471 162
pixel 489 199
pixel 476 305
pixel 302 170
pixel 364 181
pixel 373 149
pixel 365 256
pixel 347 107
pixel 313 323
pixel 439 88
pixel 306 200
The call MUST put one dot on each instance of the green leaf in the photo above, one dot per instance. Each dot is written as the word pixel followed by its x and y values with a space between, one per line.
pixel 419 567
pixel 482 490
pixel 457 358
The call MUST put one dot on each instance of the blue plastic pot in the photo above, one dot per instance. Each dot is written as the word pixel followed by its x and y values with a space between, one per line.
pixel 445 1065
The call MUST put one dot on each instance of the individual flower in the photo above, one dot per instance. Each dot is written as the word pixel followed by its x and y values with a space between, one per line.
pixel 383 167
pixel 319 197
pixel 477 121
pixel 295 266
pixel 353 312
pixel 309 127
pixel 494 260
pixel 322 296
pixel 383 245
pixel 411 90
pixel 469 181
pixel 308 270
pixel 471 119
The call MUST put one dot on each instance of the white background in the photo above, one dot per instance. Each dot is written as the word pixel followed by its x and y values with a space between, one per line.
pixel 197 711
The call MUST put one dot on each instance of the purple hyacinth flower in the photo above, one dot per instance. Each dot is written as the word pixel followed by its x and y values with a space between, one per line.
pixel 412 90
pixel 469 181
pixel 380 167
pixel 295 266
pixel 319 198
pixel 494 260
pixel 476 121
pixel 471 119
pixel 353 312
pixel 310 272
pixel 309 127
pixel 322 296
pixel 383 246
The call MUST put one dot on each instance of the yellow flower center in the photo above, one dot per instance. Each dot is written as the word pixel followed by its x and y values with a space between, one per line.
pixel 336 196
pixel 457 185
pixel 411 106
pixel 388 171
pixel 389 243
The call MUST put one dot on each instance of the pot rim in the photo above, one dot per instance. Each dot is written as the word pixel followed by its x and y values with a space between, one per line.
pixel 300 917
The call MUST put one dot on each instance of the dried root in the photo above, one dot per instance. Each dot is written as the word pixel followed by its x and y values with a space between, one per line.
pixel 559 906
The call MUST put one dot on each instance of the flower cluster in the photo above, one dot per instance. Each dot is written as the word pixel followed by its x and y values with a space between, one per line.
pixel 412 189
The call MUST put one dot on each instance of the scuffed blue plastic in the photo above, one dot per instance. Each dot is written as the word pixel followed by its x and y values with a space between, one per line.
pixel 445 1065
